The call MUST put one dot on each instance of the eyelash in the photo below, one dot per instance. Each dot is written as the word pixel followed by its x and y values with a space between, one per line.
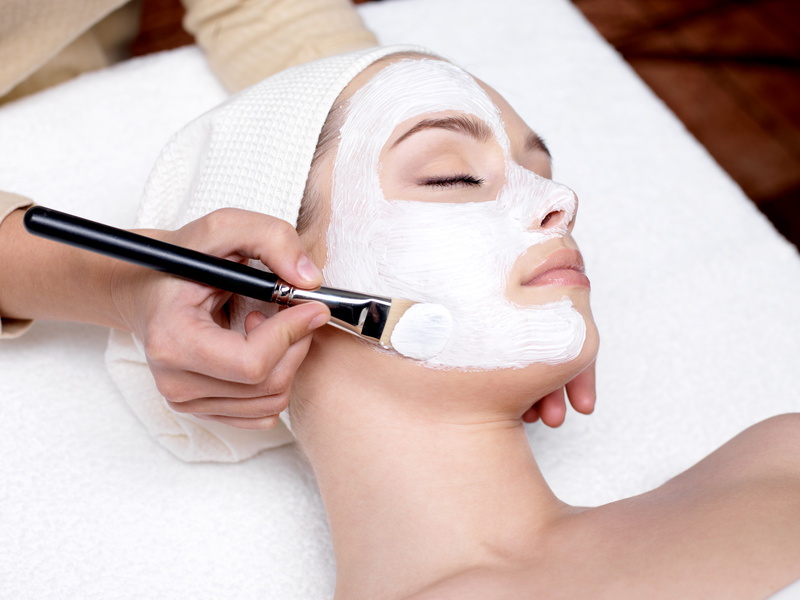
pixel 453 181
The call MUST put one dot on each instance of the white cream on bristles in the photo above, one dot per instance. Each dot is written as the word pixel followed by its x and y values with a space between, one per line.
pixel 458 256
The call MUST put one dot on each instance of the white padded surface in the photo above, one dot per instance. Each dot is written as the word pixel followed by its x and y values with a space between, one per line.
pixel 693 290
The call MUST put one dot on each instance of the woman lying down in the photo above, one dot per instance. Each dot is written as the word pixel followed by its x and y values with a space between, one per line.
pixel 426 185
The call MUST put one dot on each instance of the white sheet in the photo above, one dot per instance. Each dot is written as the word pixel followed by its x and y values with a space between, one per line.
pixel 694 292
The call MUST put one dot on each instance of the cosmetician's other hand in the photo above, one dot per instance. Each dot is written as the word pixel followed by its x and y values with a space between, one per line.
pixel 552 409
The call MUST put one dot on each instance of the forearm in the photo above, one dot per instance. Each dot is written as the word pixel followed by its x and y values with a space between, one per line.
pixel 248 40
pixel 42 279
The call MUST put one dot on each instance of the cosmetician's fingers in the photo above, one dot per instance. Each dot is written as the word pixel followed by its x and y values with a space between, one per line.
pixel 204 347
pixel 262 423
pixel 239 413
pixel 552 409
pixel 198 393
pixel 250 403
pixel 255 235
pixel 581 390
pixel 245 408
pixel 531 415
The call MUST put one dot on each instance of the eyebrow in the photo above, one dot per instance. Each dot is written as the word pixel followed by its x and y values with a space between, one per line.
pixel 534 142
pixel 471 127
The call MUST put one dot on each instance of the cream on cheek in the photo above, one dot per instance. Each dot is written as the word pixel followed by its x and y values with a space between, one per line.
pixel 455 255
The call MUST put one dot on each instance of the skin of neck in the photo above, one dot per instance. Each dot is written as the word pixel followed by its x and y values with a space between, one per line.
pixel 426 476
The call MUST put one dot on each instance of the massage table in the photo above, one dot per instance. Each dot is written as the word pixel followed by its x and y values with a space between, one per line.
pixel 694 291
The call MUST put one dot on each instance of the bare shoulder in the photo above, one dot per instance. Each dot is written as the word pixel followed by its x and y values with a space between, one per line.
pixel 777 434
pixel 762 463
pixel 729 527
pixel 769 449
pixel 733 520
pixel 750 484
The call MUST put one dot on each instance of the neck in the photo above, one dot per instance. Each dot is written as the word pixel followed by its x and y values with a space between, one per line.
pixel 412 500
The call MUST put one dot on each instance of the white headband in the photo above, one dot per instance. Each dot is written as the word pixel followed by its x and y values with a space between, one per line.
pixel 253 151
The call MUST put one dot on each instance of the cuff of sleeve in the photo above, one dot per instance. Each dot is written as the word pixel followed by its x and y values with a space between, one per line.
pixel 248 41
pixel 12 328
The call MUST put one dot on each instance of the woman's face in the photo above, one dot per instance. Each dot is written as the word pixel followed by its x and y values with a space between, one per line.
pixel 441 193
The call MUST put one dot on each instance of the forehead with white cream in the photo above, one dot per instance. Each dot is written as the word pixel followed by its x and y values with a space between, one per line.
pixel 458 255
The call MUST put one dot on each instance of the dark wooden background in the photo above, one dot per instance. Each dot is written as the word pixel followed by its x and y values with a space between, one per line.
pixel 729 69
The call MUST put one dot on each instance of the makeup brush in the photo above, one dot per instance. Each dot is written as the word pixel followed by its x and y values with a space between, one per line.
pixel 372 318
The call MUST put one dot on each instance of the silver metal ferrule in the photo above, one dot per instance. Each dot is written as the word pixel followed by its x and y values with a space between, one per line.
pixel 353 312
pixel 283 293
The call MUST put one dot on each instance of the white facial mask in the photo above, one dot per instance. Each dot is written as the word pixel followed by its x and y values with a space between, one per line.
pixel 456 255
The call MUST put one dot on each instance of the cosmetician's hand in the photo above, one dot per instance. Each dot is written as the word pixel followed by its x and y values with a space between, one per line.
pixel 552 409
pixel 199 364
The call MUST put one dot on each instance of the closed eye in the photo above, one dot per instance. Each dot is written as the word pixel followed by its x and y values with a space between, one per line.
pixel 453 181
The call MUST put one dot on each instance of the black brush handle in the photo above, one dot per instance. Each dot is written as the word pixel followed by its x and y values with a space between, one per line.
pixel 154 254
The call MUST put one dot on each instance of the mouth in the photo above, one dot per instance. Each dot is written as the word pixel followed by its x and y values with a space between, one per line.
pixel 563 267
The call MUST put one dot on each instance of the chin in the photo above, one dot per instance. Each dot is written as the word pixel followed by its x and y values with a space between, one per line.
pixel 508 389
pixel 548 377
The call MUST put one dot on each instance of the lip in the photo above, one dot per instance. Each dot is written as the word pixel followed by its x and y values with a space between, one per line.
pixel 563 267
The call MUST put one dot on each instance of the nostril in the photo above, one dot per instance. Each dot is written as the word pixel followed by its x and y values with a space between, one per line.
pixel 552 219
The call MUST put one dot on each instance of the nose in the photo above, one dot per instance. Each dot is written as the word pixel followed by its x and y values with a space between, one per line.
pixel 558 212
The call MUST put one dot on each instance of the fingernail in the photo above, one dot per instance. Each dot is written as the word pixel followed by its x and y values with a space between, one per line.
pixel 260 316
pixel 308 270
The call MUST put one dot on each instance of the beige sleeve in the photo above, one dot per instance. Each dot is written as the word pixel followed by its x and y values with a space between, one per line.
pixel 33 32
pixel 248 40
pixel 11 328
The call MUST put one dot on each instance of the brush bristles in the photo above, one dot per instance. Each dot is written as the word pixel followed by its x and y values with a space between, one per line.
pixel 396 312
